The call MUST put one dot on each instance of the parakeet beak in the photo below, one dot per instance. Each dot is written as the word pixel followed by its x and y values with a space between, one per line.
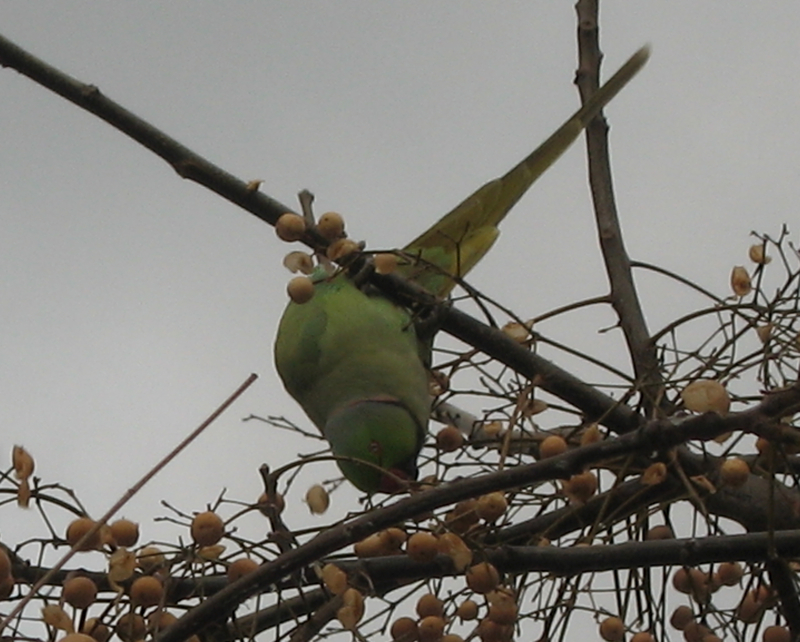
pixel 390 484
pixel 393 482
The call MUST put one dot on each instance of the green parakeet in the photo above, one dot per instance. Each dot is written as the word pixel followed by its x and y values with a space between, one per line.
pixel 352 358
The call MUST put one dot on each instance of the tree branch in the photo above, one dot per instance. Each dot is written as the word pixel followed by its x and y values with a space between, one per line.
pixel 594 404
pixel 624 297
pixel 655 435
pixel 184 161
pixel 773 509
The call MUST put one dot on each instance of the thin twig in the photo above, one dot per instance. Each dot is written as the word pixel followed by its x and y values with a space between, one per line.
pixel 658 435
pixel 92 532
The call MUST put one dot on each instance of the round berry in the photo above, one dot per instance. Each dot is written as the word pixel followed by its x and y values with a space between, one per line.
pixel 462 517
pixel 581 487
pixel 159 619
pixel 491 506
pixel 661 531
pixel 290 227
pixel 449 439
pixel 734 472
pixel 729 573
pixel 706 395
pixel 429 604
pixel 467 610
pixel 341 249
pixel 147 591
pixel 207 528
pixel 776 634
pixel 97 631
pixel 300 289
pixel 552 446
pixel 79 592
pixel 454 547
pixel 404 629
pixel 150 558
pixel 125 532
pixel 78 528
pixel 330 226
pixel 317 499
pixel 482 577
pixel 130 627
pixel 352 610
pixel 385 263
pixel 334 578
pixel 422 547
pixel 612 629
pixel 431 628
pixel 241 567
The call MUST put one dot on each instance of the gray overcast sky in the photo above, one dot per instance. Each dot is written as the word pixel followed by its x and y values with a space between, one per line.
pixel 134 302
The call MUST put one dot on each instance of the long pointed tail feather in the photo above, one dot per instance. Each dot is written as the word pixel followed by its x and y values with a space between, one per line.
pixel 456 242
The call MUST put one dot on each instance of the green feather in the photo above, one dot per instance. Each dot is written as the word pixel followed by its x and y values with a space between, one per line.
pixel 393 434
pixel 352 358
pixel 344 348
pixel 456 242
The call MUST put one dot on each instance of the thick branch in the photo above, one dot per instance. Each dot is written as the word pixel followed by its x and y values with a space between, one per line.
pixel 658 435
pixel 594 404
pixel 750 547
pixel 624 297
pixel 183 160
pixel 655 435
pixel 601 511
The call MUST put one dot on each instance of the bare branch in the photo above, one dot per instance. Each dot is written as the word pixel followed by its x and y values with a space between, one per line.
pixel 624 297
pixel 655 435
pixel 184 161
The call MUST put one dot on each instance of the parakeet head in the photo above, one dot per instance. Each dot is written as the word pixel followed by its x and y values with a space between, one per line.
pixel 381 432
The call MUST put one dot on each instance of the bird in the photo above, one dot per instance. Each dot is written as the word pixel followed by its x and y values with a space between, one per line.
pixel 353 359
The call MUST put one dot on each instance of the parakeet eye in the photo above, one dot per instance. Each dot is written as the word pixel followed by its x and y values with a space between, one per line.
pixel 376 449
